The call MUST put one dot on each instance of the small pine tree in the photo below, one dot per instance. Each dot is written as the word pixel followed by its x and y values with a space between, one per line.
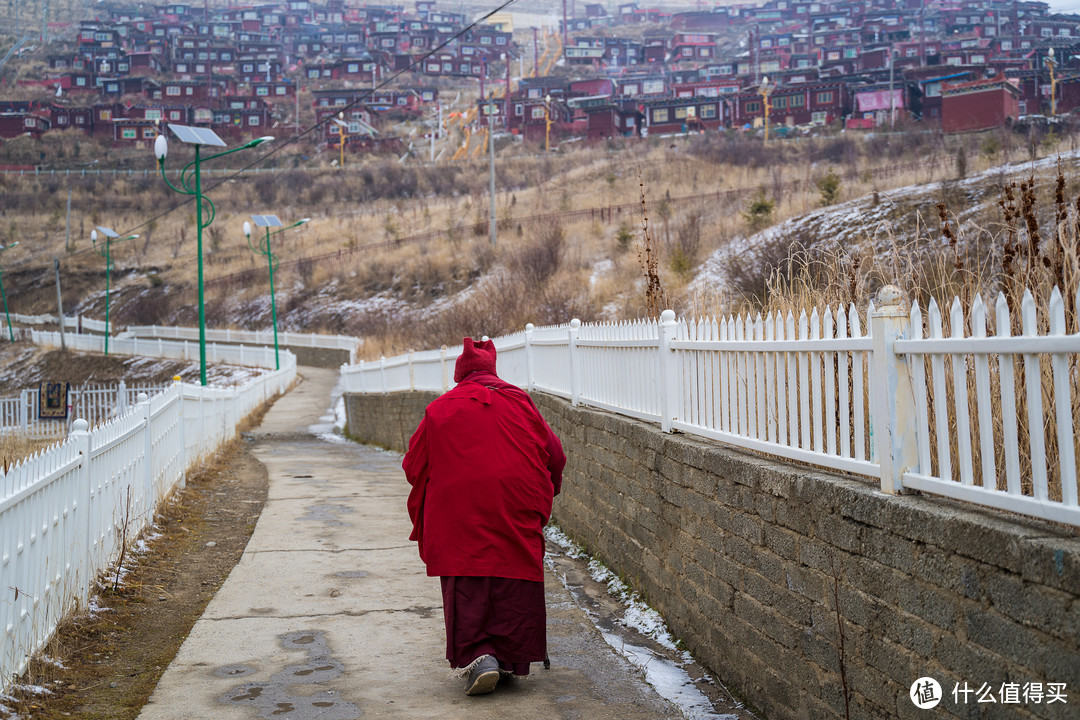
pixel 829 188
pixel 759 211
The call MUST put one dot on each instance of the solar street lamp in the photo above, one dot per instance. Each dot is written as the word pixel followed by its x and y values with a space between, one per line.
pixel 110 236
pixel 11 332
pixel 191 184
pixel 262 247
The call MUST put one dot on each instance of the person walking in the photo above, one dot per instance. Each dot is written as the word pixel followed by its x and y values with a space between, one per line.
pixel 484 468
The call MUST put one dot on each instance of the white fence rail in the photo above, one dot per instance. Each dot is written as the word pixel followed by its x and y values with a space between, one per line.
pixel 64 512
pixel 987 419
pixel 169 349
pixel 251 337
pixel 77 323
pixel 94 403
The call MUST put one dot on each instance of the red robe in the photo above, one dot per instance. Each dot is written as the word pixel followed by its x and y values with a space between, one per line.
pixel 484 467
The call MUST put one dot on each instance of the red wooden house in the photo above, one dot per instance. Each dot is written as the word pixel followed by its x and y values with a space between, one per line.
pixel 680 115
pixel 817 103
pixel 23 123
pixel 979 105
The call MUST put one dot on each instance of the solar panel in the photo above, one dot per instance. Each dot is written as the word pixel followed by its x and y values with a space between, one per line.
pixel 196 135
pixel 266 220
pixel 108 232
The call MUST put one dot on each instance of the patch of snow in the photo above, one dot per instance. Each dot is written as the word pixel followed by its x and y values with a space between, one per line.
pixel 32 689
pixel 600 269
pixel 53 661
pixel 94 609
pixel 670 681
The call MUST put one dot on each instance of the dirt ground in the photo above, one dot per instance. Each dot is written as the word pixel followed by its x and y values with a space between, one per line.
pixel 105 665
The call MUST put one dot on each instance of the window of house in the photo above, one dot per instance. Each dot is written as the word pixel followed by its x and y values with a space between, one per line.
pixel 780 102
pixel 703 52
pixel 448 67
pixel 753 106
pixel 818 118
pixel 485 40
pixel 174 115
pixel 500 40
pixel 28 122
pixel 200 68
pixel 824 97
pixel 189 91
pixel 1046 32
pixel 149 133
pixel 128 134
pixel 538 112
pixel 80 120
pixel 682 113
pixel 62 120
pixel 280 90
pixel 80 82
pixel 105 115
pixel 153 115
pixel 352 67
pixel 262 91
pixel 313 73
pixel 339 102
pixel 253 119
pixel 797 101
pixel 708 111
pixel 660 115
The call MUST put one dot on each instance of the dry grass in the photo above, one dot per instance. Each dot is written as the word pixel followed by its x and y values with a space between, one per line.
pixel 14 448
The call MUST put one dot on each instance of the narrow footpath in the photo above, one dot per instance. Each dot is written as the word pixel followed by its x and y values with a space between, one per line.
pixel 329 614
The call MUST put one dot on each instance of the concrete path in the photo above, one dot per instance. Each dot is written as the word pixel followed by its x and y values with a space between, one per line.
pixel 329 613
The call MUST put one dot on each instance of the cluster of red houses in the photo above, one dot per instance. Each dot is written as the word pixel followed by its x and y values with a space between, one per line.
pixel 966 64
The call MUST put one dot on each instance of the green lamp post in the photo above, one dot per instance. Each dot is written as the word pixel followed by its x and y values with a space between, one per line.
pixel 11 332
pixel 191 184
pixel 262 247
pixel 111 236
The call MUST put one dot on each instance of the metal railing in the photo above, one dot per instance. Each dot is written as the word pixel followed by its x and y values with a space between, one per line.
pixel 94 403
pixel 990 420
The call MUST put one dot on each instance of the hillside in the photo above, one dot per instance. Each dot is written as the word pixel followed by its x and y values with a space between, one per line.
pixel 400 253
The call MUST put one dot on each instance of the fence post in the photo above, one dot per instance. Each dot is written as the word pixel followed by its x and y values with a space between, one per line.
pixel 669 389
pixel 382 372
pixel 529 328
pixel 80 436
pixel 24 411
pixel 412 373
pixel 121 398
pixel 178 388
pixel 575 363
pixel 143 404
pixel 893 411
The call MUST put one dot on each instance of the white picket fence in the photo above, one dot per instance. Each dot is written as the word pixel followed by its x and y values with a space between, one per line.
pixel 94 403
pixel 826 388
pixel 65 512
pixel 252 337
pixel 169 349
pixel 77 322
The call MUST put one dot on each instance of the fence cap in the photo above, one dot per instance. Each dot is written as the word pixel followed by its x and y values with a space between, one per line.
pixel 80 425
pixel 889 296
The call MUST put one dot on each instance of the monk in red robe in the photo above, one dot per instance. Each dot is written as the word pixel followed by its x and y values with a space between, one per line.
pixel 484 467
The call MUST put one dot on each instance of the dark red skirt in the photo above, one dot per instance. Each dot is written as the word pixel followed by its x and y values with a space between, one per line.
pixel 494 616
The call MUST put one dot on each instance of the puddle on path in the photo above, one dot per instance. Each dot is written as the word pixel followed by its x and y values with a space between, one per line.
pixel 273 699
pixel 327 514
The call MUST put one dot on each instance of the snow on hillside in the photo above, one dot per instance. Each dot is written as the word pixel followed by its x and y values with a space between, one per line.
pixel 874 217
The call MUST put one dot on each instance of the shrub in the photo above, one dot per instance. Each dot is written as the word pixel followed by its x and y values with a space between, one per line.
pixel 829 188
pixel 759 211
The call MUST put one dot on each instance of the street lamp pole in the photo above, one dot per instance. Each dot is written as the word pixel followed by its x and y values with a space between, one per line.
pixel 191 184
pixel 1053 84
pixel 268 221
pixel 110 236
pixel 547 123
pixel 765 90
pixel 11 332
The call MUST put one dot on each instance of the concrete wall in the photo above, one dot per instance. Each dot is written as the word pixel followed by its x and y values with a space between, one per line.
pixel 753 562
pixel 318 357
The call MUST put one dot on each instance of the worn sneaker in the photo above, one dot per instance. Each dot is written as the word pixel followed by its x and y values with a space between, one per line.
pixel 483 676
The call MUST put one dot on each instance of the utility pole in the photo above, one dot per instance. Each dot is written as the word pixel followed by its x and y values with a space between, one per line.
pixel 60 304
pixel 45 23
pixel 536 55
pixel 892 97
pixel 67 233
pixel 491 149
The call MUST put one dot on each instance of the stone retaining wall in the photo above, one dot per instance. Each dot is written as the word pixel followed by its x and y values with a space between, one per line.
pixel 755 564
